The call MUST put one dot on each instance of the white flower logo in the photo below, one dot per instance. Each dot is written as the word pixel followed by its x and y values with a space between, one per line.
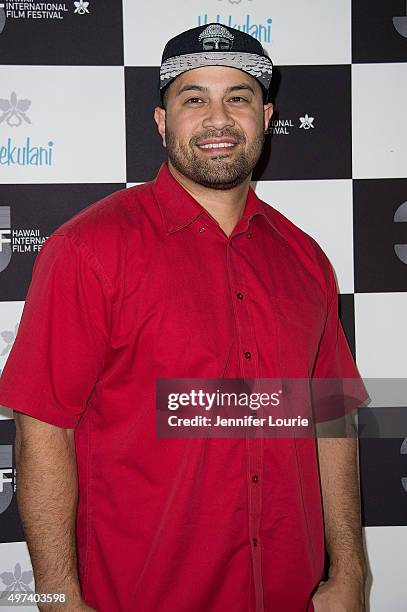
pixel 81 7
pixel 14 110
pixel 8 336
pixel 17 580
pixel 307 122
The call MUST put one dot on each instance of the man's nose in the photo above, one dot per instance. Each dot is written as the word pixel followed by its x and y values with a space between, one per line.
pixel 217 116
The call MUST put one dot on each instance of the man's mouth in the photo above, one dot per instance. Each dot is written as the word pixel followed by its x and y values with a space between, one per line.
pixel 217 144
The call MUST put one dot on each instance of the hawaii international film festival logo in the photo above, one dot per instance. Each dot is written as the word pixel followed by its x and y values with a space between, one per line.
pixel 284 127
pixel 403 452
pixel 400 24
pixel 400 216
pixel 7 476
pixel 40 10
pixel 14 114
pixel 17 240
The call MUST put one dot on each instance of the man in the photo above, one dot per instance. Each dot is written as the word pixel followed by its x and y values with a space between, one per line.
pixel 188 276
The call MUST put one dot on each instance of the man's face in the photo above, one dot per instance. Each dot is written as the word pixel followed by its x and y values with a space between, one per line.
pixel 213 125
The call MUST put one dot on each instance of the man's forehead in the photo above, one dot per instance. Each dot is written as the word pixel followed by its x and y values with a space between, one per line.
pixel 211 77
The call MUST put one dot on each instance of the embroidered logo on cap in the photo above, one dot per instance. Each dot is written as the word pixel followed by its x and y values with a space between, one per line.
pixel 216 36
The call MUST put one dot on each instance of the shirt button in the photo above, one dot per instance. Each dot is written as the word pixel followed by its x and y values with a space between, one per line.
pixel 201 229
pixel 255 478
pixel 239 295
pixel 247 354
pixel 248 235
pixel 255 541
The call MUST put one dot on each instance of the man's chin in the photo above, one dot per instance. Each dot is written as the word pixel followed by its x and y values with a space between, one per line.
pixel 222 171
pixel 219 181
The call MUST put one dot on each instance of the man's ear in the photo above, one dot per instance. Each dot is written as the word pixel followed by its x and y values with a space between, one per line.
pixel 268 113
pixel 159 117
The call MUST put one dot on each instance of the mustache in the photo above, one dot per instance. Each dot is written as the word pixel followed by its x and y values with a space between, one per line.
pixel 238 136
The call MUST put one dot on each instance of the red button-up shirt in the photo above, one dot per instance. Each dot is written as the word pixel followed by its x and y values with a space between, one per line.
pixel 144 285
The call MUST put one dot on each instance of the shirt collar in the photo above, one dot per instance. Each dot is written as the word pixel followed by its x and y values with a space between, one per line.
pixel 178 208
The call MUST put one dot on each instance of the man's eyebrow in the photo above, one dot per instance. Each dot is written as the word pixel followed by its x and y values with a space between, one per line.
pixel 188 87
pixel 239 87
pixel 201 88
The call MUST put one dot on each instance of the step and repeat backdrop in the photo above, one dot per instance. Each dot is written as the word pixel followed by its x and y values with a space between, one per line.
pixel 78 85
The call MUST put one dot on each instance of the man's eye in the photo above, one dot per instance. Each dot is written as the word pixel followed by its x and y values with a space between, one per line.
pixel 238 99
pixel 193 100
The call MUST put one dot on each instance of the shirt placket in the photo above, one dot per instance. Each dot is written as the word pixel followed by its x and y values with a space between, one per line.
pixel 248 358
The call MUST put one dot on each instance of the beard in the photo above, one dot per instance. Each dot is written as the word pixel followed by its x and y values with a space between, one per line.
pixel 220 171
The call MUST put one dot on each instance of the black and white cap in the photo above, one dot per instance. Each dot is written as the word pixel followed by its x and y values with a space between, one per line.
pixel 215 44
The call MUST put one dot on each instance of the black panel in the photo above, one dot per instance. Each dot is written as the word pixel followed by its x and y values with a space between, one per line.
pixel 378 267
pixel 91 36
pixel 37 207
pixel 383 466
pixel 379 31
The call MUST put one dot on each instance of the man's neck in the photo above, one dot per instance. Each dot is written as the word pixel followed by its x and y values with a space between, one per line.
pixel 225 205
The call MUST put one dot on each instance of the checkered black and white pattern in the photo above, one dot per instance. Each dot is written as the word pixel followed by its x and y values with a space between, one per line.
pixel 78 84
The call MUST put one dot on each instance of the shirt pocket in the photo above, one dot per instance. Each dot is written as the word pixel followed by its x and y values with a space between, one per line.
pixel 299 331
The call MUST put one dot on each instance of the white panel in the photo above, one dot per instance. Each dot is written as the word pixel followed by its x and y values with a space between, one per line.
pixel 15 566
pixel 74 114
pixel 379 102
pixel 381 329
pixel 323 209
pixel 386 550
pixel 297 32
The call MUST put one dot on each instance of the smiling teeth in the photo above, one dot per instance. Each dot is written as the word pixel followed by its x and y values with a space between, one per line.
pixel 217 145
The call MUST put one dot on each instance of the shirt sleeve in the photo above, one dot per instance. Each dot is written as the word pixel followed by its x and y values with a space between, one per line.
pixel 60 346
pixel 337 386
